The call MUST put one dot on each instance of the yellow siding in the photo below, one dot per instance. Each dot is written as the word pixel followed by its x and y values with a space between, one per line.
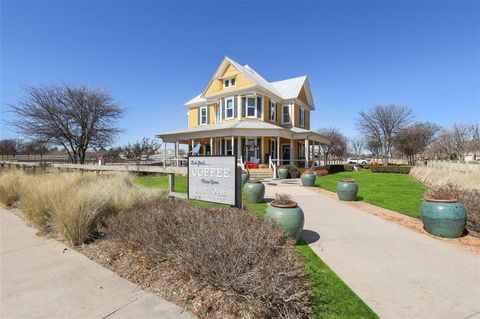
pixel 296 121
pixel 266 147
pixel 212 113
pixel 217 85
pixel 303 96
pixel 279 113
pixel 307 119
pixel 193 117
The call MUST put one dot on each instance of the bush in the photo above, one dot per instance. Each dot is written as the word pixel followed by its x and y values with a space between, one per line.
pixel 73 205
pixel 470 198
pixel 248 261
pixel 293 171
pixel 321 172
pixel 10 182
pixel 391 169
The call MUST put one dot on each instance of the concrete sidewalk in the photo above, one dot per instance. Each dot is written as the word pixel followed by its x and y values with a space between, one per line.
pixel 40 279
pixel 399 273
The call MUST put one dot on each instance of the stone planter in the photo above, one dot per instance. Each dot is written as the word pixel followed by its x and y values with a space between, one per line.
pixel 254 192
pixel 282 172
pixel 290 217
pixel 443 217
pixel 245 178
pixel 347 190
pixel 308 179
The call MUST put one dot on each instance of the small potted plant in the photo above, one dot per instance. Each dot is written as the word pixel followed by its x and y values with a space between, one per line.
pixel 308 178
pixel 282 172
pixel 347 189
pixel 245 176
pixel 442 214
pixel 254 191
pixel 286 212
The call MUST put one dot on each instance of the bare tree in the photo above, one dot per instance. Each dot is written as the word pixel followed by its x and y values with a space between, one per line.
pixel 338 144
pixel 35 147
pixel 141 150
pixel 76 118
pixel 381 123
pixel 356 146
pixel 374 147
pixel 457 142
pixel 10 146
pixel 415 139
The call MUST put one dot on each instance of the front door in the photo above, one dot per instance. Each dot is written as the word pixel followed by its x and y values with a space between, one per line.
pixel 286 154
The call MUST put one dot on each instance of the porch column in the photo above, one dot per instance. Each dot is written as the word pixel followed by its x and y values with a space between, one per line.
pixel 239 107
pixel 176 152
pixel 233 144
pixel 291 152
pixel 239 147
pixel 193 143
pixel 211 146
pixel 164 154
pixel 262 149
pixel 307 152
pixel 278 150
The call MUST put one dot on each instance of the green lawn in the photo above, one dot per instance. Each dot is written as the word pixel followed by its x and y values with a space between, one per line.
pixel 398 192
pixel 332 298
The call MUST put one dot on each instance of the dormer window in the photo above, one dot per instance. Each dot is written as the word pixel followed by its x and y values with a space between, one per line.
pixel 229 82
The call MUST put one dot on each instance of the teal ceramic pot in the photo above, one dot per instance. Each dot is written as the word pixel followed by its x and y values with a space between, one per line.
pixel 245 177
pixel 254 192
pixel 443 218
pixel 347 190
pixel 290 217
pixel 308 179
pixel 282 172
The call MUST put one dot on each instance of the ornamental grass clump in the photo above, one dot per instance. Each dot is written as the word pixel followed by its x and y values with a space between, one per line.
pixel 252 268
pixel 10 185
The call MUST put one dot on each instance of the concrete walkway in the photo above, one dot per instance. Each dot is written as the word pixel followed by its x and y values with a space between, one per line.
pixel 40 279
pixel 399 273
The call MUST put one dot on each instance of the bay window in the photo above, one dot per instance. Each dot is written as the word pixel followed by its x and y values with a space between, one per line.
pixel 302 117
pixel 273 111
pixel 286 114
pixel 251 107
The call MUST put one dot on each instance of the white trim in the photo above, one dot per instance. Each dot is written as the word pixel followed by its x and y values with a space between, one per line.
pixel 230 98
pixel 201 116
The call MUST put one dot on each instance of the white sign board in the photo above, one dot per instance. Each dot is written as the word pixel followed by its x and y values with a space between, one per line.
pixel 212 179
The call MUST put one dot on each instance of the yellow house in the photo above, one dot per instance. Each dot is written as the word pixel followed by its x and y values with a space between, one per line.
pixel 241 113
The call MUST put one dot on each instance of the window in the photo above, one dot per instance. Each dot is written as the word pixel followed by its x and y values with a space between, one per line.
pixel 251 107
pixel 203 115
pixel 229 82
pixel 273 111
pixel 286 114
pixel 302 117
pixel 229 108
pixel 228 147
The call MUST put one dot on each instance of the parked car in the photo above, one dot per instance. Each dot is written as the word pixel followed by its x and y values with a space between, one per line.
pixel 360 161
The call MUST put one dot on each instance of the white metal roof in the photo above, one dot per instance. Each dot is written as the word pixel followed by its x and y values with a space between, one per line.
pixel 196 100
pixel 289 88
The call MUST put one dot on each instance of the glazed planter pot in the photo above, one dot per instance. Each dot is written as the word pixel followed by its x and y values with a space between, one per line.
pixel 290 217
pixel 254 192
pixel 282 173
pixel 308 179
pixel 443 218
pixel 347 189
pixel 245 177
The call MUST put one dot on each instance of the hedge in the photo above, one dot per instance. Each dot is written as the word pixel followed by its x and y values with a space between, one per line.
pixel 391 169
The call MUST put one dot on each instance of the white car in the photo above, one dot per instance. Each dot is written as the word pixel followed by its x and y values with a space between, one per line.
pixel 360 161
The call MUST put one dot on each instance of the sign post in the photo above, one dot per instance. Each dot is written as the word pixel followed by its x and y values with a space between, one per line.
pixel 215 179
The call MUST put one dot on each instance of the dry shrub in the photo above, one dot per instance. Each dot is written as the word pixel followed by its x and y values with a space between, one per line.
pixel 470 198
pixel 10 184
pixel 248 261
pixel 439 176
pixel 321 172
pixel 73 205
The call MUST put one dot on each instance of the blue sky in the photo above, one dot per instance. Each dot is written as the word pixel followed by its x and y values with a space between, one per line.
pixel 154 56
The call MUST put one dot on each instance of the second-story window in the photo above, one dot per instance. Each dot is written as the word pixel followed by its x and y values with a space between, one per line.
pixel 251 107
pixel 203 115
pixel 286 114
pixel 302 117
pixel 229 108
pixel 229 82
pixel 273 111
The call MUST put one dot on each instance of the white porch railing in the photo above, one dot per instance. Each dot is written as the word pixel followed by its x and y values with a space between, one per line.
pixel 272 166
pixel 240 162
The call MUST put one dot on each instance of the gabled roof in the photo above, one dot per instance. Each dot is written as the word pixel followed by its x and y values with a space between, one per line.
pixel 285 89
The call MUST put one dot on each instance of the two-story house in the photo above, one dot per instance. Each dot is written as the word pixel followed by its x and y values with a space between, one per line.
pixel 241 113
